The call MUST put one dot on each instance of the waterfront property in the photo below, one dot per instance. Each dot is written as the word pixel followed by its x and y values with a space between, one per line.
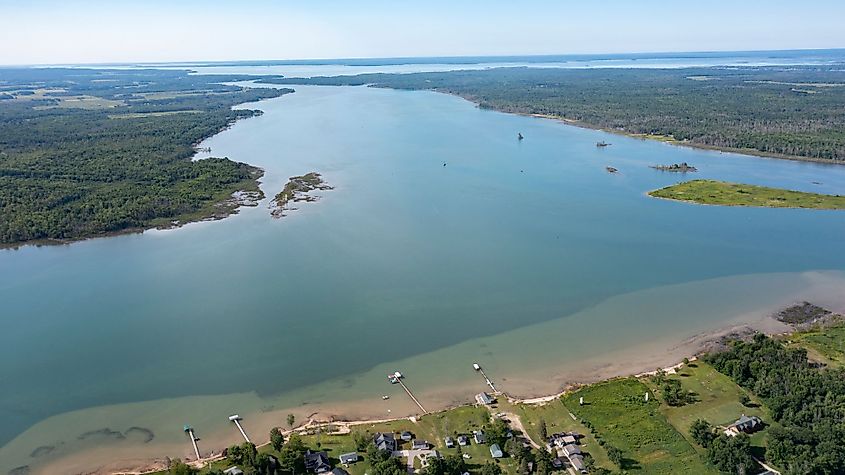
pixel 484 399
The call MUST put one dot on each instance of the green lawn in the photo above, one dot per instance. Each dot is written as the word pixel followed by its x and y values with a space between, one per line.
pixel 829 343
pixel 557 418
pixel 620 416
pixel 717 401
pixel 734 194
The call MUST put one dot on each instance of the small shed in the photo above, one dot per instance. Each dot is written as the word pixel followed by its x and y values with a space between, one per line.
pixel 450 442
pixel 233 471
pixel 496 452
pixel 351 457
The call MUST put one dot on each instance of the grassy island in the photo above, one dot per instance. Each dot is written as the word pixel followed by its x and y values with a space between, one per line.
pixel 711 192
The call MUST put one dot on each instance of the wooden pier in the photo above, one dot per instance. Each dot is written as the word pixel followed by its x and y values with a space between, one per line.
pixel 414 398
pixel 478 368
pixel 190 431
pixel 237 420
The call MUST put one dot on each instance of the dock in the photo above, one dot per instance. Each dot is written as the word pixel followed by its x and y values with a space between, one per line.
pixel 237 420
pixel 398 379
pixel 478 368
pixel 190 431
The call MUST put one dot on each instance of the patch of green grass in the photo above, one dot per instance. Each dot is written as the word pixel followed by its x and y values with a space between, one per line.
pixel 717 399
pixel 557 419
pixel 621 417
pixel 828 342
pixel 721 193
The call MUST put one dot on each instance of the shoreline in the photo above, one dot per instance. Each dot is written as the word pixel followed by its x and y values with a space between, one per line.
pixel 656 138
pixel 345 415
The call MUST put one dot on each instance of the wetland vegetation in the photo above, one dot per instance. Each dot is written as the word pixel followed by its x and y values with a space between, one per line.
pixel 712 192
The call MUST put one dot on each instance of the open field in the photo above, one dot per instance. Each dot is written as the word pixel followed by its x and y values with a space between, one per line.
pixel 712 192
pixel 826 344
pixel 717 401
pixel 621 417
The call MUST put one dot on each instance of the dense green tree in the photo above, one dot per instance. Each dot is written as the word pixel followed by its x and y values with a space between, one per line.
pixel 178 467
pixel 490 468
pixel 702 433
pixel 615 455
pixel 276 439
pixel 448 465
pixel 291 419
pixel 731 454
pixel 541 426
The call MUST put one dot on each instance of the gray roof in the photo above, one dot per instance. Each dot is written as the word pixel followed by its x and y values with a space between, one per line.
pixel 233 471
pixel 350 457
pixel 495 451
pixel 484 398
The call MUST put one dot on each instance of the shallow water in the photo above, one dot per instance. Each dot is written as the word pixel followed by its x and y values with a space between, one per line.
pixel 525 256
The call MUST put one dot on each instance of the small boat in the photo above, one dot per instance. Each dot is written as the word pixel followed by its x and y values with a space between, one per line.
pixel 519 136
pixel 611 170
pixel 602 144
pixel 476 367
pixel 385 397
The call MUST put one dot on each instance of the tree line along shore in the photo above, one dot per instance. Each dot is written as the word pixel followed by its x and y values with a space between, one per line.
pixel 752 402
pixel 93 152
pixel 786 112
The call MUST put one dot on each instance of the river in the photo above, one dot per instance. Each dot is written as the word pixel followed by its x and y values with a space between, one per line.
pixel 446 241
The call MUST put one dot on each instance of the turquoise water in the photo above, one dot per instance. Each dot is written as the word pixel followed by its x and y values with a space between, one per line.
pixel 407 262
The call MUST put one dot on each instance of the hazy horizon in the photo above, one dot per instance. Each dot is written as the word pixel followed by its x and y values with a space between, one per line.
pixel 47 32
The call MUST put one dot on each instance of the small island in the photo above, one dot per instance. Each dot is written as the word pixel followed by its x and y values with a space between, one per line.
pixel 297 189
pixel 711 192
pixel 676 167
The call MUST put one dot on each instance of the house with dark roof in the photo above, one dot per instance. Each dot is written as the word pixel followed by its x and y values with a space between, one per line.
pixel 450 442
pixel 420 445
pixel 744 424
pixel 479 437
pixel 384 441
pixel 339 471
pixel 406 436
pixel 317 462
pixel 571 449
pixel 577 462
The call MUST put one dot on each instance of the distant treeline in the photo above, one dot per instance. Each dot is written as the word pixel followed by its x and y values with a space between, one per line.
pixel 70 171
pixel 792 111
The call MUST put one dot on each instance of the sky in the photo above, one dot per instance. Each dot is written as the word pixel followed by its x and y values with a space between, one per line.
pixel 87 31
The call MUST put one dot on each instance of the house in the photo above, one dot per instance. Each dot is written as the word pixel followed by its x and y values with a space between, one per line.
pixel 479 437
pixel 557 463
pixel 484 399
pixel 577 462
pixel 384 441
pixel 569 439
pixel 339 471
pixel 496 452
pixel 351 457
pixel 317 462
pixel 450 442
pixel 744 424
pixel 420 445
pixel 406 436
pixel 233 471
pixel 571 449
pixel 463 440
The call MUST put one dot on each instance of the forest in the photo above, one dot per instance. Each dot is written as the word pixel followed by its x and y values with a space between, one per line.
pixel 86 152
pixel 807 403
pixel 794 112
